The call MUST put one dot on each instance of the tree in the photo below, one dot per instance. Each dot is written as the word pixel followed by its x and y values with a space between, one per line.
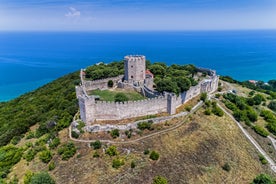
pixel 258 99
pixel 117 162
pixel 120 97
pixel 159 180
pixel 183 83
pixel 263 179
pixel 154 155
pixel 110 83
pixel 96 145
pixel 167 85
pixel 42 178
pixel 272 105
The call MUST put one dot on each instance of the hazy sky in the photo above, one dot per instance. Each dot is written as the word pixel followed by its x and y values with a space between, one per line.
pixel 86 15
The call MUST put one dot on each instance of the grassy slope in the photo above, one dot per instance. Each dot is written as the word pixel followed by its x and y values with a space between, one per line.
pixel 193 153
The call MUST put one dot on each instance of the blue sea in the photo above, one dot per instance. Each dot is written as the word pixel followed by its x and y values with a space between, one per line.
pixel 29 60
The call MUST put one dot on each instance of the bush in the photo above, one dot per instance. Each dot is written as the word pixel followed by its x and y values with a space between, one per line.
pixel 226 167
pixel 51 166
pixel 159 180
pixel 132 164
pixel 67 151
pixel 217 111
pixel 115 133
pixel 272 105
pixel 146 152
pixel 41 178
pixel 112 151
pixel 117 162
pixel 15 140
pixel 207 112
pixel 45 156
pixel 96 145
pixel 145 125
pixel 9 156
pixel 54 143
pixel 120 97
pixel 188 108
pixel 263 179
pixel 262 159
pixel 110 83
pixel 260 130
pixel 96 154
pixel 75 134
pixel 29 155
pixel 154 155
pixel 203 97
pixel 128 133
pixel 252 115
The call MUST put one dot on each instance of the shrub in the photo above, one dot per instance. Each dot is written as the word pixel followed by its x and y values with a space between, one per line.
pixel 154 155
pixel 96 154
pixel 15 140
pixel 219 88
pixel 203 97
pixel 75 134
pixel 226 167
pixel 27 177
pixel 188 108
pixel 159 180
pixel 128 133
pixel 117 162
pixel 67 151
pixel 207 112
pixel 112 151
pixel 120 97
pixel 252 115
pixel 96 145
pixel 217 111
pixel 146 152
pixel 110 83
pixel 29 155
pixel 30 135
pixel 132 164
pixel 263 179
pixel 115 133
pixel 45 156
pixel 41 178
pixel 272 105
pixel 145 125
pixel 54 143
pixel 262 159
pixel 260 130
pixel 51 166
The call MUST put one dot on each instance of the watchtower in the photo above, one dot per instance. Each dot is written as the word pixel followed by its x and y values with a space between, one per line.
pixel 135 68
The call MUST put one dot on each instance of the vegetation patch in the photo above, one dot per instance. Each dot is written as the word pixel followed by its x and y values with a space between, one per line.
pixel 117 162
pixel 67 150
pixel 119 96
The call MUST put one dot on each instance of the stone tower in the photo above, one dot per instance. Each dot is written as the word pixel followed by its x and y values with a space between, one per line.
pixel 135 68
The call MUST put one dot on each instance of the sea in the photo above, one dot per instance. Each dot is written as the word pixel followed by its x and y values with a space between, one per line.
pixel 29 60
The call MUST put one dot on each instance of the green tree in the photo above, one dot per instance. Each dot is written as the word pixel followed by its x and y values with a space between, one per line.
pixel 183 83
pixel 110 83
pixel 263 179
pixel 272 105
pixel 203 97
pixel 159 180
pixel 120 97
pixel 96 145
pixel 117 162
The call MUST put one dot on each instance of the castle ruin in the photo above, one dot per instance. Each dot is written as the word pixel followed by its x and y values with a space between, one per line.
pixel 136 77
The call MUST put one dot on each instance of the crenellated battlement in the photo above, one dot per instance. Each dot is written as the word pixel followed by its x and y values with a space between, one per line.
pixel 92 109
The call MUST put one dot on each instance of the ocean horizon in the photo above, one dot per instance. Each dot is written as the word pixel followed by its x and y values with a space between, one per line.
pixel 29 60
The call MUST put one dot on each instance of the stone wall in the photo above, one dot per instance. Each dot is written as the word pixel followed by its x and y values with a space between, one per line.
pixel 100 84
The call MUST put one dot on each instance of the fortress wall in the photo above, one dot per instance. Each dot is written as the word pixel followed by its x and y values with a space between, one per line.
pixel 101 84
pixel 113 111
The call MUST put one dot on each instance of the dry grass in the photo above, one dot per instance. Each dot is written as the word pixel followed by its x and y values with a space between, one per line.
pixel 193 153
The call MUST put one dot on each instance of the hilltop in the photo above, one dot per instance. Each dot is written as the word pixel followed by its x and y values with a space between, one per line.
pixel 206 148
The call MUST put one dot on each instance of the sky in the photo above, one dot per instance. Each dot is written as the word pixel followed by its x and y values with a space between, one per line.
pixel 107 15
